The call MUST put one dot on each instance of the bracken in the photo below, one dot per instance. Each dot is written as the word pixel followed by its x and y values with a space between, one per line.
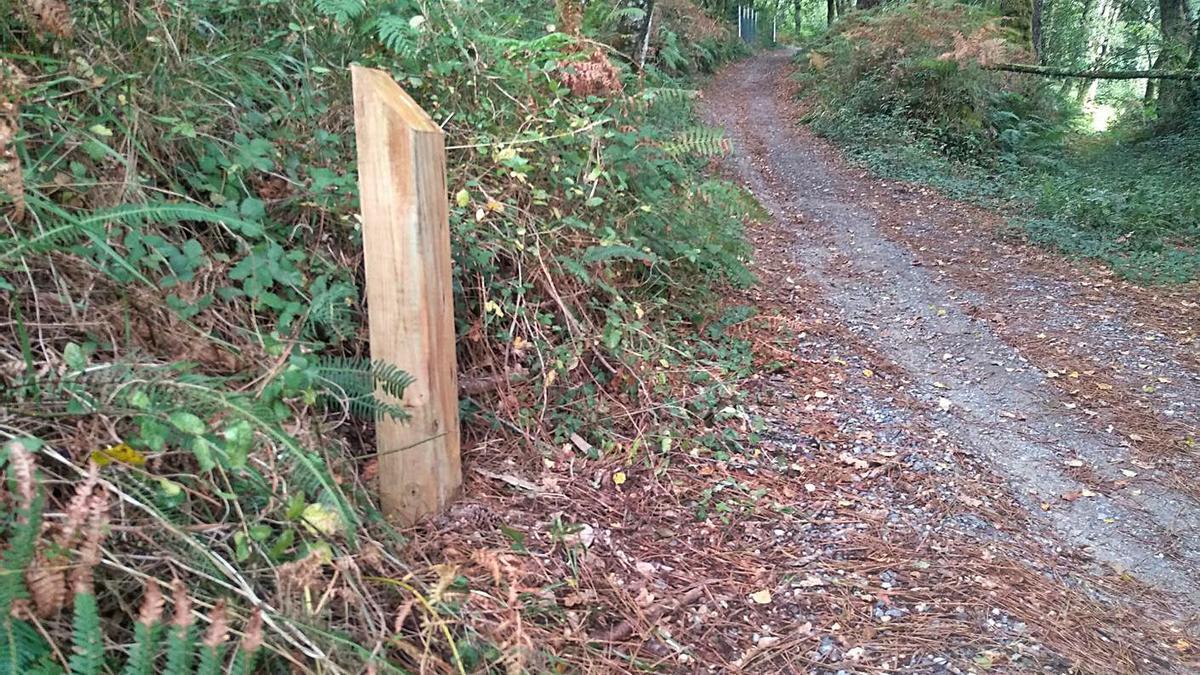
pixel 12 84
pixel 53 17
pixel 596 76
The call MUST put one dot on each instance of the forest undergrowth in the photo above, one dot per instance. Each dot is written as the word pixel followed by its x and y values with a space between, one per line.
pixel 187 406
pixel 907 90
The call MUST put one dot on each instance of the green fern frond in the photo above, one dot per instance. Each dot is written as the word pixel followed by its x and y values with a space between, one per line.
pixel 181 643
pixel 60 236
pixel 627 14
pixel 244 662
pixel 88 650
pixel 697 143
pixel 342 11
pixel 352 382
pixel 144 650
pixel 22 647
pixel 164 213
pixel 210 660
pixel 397 34
pixel 661 95
pixel 332 310
pixel 70 228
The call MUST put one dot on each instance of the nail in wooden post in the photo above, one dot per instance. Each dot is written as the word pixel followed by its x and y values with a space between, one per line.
pixel 406 246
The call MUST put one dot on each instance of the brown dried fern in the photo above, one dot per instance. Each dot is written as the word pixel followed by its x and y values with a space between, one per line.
pixel 183 605
pixel 252 638
pixel 89 552
pixel 53 17
pixel 22 464
pixel 12 184
pixel 78 508
pixel 152 604
pixel 596 76
pixel 46 580
pixel 218 626
pixel 985 46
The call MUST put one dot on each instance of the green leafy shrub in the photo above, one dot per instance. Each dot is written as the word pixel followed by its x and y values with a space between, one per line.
pixel 1131 203
pixel 919 65
pixel 183 296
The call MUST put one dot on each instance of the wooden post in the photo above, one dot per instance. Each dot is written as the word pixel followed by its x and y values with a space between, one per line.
pixel 406 247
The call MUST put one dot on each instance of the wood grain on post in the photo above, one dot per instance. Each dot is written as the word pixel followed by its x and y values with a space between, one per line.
pixel 406 247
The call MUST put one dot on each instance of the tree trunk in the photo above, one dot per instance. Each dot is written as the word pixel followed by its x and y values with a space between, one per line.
pixel 1020 16
pixel 1151 95
pixel 866 4
pixel 1189 100
pixel 1109 11
pixel 1177 43
pixel 830 12
pixel 1035 27
pixel 1049 71
pixel 644 37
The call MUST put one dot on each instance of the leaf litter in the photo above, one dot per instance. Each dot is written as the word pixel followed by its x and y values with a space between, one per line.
pixel 863 532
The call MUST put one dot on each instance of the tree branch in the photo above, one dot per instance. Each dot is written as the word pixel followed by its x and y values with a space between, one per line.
pixel 1050 71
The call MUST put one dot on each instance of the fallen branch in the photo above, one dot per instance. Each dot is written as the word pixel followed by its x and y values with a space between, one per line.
pixel 1050 71
pixel 480 384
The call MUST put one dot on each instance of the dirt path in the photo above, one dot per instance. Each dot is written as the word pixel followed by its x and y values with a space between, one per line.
pixel 984 391
pixel 1023 363
pixel 958 454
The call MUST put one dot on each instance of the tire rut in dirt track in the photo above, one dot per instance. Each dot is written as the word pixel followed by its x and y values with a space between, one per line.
pixel 979 388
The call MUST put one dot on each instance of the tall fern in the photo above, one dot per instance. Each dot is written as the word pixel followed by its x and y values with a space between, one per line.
pixel 698 142
pixel 19 646
pixel 87 656
pixel 70 227
pixel 353 381
pixel 342 11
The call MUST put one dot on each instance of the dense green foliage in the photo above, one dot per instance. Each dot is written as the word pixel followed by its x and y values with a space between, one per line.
pixel 182 297
pixel 905 89
pixel 898 67
pixel 1131 202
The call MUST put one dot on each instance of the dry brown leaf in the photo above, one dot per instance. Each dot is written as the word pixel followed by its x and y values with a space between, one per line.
pixel 47 583
pixel 596 76
pixel 53 17
pixel 12 184
pixel 183 605
pixel 218 626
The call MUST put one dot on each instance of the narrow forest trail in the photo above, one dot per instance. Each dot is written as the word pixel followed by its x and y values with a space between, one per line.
pixel 1056 407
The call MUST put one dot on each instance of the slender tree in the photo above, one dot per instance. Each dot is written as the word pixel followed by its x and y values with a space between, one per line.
pixel 1035 30
pixel 1019 14
pixel 1178 38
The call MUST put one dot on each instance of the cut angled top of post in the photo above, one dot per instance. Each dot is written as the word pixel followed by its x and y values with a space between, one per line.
pixel 383 89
